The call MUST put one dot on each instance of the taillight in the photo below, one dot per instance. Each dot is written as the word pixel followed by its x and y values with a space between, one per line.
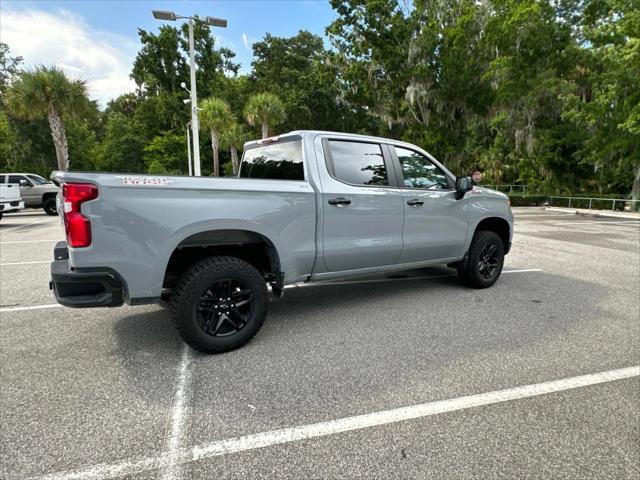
pixel 77 226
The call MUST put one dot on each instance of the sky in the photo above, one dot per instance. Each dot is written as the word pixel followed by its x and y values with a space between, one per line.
pixel 97 40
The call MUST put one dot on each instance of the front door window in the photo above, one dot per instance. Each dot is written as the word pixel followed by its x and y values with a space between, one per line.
pixel 420 172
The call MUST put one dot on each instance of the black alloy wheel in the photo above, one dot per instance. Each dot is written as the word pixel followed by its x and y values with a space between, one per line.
pixel 225 307
pixel 484 260
pixel 489 261
pixel 219 303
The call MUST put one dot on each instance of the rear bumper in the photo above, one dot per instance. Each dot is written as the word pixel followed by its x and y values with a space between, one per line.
pixel 99 287
pixel 11 206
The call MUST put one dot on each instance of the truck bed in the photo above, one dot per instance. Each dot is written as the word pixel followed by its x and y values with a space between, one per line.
pixel 137 221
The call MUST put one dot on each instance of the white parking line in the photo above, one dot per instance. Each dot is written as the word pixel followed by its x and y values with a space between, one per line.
pixel 33 241
pixel 332 427
pixel 541 214
pixel 180 406
pixel 523 270
pixel 106 470
pixel 39 229
pixel 615 222
pixel 340 425
pixel 31 307
pixel 24 263
pixel 3 230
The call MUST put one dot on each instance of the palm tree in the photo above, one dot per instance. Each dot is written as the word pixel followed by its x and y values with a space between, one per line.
pixel 266 110
pixel 47 92
pixel 233 139
pixel 216 116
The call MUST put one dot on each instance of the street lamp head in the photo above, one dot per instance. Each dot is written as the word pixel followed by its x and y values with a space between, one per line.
pixel 216 22
pixel 164 15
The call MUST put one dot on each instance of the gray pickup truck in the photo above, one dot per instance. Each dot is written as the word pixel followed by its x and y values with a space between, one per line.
pixel 308 206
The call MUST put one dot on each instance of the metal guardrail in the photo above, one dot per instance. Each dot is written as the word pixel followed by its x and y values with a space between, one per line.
pixel 589 203
pixel 508 188
pixel 595 202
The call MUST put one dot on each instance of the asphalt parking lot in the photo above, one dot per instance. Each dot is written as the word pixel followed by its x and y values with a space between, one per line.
pixel 412 376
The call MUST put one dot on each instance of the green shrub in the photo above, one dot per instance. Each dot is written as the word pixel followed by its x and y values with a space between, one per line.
pixel 156 168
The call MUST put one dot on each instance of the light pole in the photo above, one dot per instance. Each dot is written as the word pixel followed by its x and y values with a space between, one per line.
pixel 189 149
pixel 214 22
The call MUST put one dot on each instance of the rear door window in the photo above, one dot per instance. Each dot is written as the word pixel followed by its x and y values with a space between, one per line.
pixel 276 161
pixel 358 163
pixel 16 178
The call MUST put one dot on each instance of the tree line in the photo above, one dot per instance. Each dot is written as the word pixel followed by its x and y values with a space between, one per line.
pixel 538 92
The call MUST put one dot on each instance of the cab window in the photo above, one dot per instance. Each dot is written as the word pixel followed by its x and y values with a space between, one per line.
pixel 37 179
pixel 277 161
pixel 420 172
pixel 16 178
pixel 358 163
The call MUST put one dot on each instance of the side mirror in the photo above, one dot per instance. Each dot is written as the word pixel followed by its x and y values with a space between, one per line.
pixel 24 183
pixel 463 185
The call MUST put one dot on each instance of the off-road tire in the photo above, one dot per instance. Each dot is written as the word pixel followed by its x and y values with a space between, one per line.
pixel 49 206
pixel 185 300
pixel 471 274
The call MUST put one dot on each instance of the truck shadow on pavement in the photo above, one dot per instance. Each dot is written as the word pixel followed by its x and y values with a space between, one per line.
pixel 381 337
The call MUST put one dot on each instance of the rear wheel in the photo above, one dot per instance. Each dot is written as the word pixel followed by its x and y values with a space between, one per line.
pixel 49 206
pixel 485 260
pixel 220 303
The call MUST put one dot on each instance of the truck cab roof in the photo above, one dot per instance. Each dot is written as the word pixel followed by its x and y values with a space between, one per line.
pixel 313 133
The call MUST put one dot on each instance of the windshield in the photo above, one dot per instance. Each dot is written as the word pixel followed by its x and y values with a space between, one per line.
pixel 38 180
pixel 277 161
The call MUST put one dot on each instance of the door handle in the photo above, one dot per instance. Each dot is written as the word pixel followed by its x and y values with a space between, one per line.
pixel 339 202
pixel 414 202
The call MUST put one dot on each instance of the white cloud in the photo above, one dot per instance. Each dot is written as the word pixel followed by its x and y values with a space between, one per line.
pixel 245 41
pixel 222 41
pixel 102 59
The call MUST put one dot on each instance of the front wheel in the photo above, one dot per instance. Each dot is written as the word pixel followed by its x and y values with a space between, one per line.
pixel 484 262
pixel 49 206
pixel 220 303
